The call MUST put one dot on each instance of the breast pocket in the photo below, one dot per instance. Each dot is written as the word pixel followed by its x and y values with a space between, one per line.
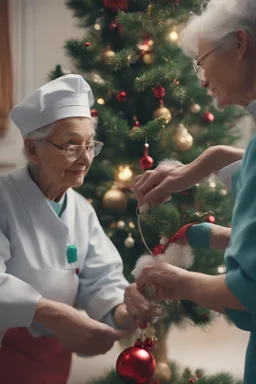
pixel 57 285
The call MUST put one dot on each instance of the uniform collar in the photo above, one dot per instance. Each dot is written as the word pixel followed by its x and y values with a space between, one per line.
pixel 252 107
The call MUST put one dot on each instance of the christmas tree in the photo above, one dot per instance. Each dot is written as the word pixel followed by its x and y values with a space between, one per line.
pixel 149 107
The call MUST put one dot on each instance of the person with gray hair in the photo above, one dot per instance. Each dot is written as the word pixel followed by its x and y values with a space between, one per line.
pixel 53 251
pixel 222 43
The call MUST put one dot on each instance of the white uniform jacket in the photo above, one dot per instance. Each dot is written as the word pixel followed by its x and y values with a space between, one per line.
pixel 33 260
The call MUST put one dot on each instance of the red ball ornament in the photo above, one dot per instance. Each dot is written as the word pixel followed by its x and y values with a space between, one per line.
pixel 94 113
pixel 210 219
pixel 136 126
pixel 121 96
pixel 87 44
pixel 208 117
pixel 159 92
pixel 112 25
pixel 146 162
pixel 158 249
pixel 192 380
pixel 135 365
pixel 116 5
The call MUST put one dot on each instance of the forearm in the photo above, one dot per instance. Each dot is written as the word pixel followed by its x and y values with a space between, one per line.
pixel 219 237
pixel 50 314
pixel 213 159
pixel 210 292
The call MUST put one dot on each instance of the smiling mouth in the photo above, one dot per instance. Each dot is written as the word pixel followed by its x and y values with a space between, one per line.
pixel 77 172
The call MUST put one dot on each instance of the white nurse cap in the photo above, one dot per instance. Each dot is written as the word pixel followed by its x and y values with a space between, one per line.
pixel 67 96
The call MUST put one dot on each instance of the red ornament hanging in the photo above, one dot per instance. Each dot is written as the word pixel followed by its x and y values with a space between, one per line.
pixel 116 5
pixel 159 92
pixel 135 365
pixel 148 343
pixel 136 125
pixel 192 380
pixel 87 44
pixel 208 117
pixel 94 113
pixel 210 219
pixel 146 162
pixel 121 96
pixel 112 25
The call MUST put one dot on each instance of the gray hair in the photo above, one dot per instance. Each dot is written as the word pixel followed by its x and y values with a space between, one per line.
pixel 219 19
pixel 41 134
pixel 44 132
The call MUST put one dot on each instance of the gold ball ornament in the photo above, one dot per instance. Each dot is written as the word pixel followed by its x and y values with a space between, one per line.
pixel 129 241
pixel 107 55
pixel 195 108
pixel 162 112
pixel 115 199
pixel 148 58
pixel 182 138
pixel 163 372
pixel 121 224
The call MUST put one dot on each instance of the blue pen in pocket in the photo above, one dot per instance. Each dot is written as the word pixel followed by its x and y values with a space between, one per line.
pixel 72 257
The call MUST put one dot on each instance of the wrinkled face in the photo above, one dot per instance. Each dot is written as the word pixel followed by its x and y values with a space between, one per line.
pixel 226 70
pixel 53 162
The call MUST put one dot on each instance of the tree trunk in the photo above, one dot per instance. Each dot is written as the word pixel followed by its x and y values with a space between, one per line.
pixel 163 370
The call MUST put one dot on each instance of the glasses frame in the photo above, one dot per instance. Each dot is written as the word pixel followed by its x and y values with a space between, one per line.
pixel 198 67
pixel 73 145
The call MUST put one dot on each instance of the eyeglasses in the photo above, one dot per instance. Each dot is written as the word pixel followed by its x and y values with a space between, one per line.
pixel 198 68
pixel 73 152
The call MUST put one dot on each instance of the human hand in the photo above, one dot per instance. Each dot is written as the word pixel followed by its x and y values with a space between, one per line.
pixel 154 187
pixel 140 308
pixel 76 332
pixel 169 281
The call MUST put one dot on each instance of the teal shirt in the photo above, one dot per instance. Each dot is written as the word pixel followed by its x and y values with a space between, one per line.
pixel 240 256
pixel 59 206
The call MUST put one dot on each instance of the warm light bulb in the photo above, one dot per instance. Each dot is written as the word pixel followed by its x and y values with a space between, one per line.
pixel 124 173
pixel 173 36
pixel 212 184
pixel 97 27
pixel 222 269
pixel 101 101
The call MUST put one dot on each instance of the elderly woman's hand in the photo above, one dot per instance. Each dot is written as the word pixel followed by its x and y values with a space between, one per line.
pixel 154 187
pixel 169 281
pixel 76 332
pixel 169 284
pixel 140 308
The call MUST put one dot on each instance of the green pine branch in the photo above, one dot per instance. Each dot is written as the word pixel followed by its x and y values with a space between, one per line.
pixel 152 130
pixel 178 377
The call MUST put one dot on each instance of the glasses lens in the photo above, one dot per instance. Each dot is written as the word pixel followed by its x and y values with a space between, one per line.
pixel 97 147
pixel 74 152
pixel 200 74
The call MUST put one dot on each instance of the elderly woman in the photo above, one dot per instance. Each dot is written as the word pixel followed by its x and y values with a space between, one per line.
pixel 54 252
pixel 222 41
